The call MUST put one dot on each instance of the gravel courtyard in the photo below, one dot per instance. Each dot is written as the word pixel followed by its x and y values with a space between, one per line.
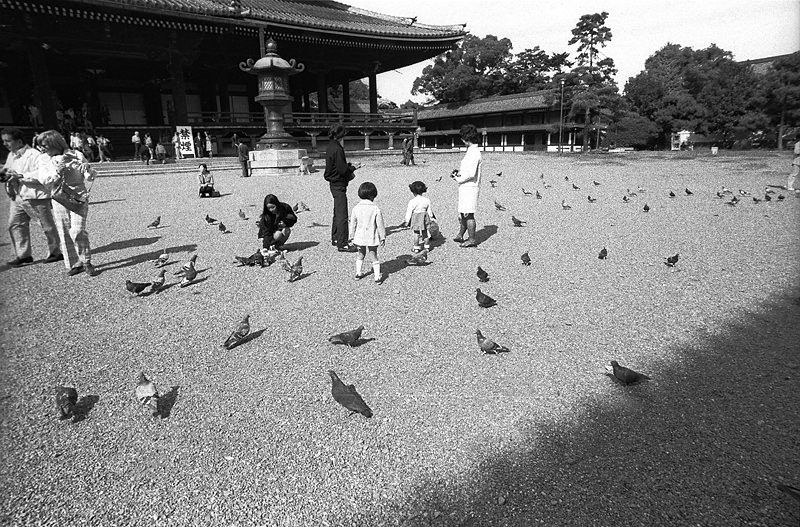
pixel 537 436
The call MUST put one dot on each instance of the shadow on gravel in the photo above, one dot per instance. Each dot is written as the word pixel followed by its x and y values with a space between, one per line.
pixel 705 442
pixel 105 201
pixel 252 336
pixel 392 229
pixel 84 406
pixel 168 401
pixel 299 246
pixel 144 257
pixel 398 263
pixel 133 242
pixel 485 232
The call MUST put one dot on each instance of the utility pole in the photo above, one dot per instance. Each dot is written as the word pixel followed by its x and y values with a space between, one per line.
pixel 561 117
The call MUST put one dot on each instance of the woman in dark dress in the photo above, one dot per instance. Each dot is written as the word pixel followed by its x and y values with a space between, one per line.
pixel 274 225
pixel 338 173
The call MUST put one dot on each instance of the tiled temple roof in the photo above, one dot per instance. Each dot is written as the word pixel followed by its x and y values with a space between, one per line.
pixel 538 100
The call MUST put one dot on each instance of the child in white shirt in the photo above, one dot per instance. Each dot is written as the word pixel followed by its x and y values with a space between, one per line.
pixel 419 216
pixel 367 230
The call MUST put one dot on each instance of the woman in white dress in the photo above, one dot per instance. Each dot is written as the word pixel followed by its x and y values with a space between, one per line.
pixel 468 178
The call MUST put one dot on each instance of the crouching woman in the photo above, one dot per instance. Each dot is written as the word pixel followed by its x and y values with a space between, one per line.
pixel 274 226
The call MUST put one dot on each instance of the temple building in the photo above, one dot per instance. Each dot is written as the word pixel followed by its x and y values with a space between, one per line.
pixel 114 66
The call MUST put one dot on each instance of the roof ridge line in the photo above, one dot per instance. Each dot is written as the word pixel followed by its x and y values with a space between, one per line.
pixel 401 19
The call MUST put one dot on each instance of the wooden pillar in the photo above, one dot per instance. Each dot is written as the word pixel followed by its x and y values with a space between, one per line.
pixel 224 98
pixel 391 140
pixel 42 93
pixel 373 92
pixel 346 97
pixel 178 89
pixel 306 102
pixel 322 93
pixel 366 138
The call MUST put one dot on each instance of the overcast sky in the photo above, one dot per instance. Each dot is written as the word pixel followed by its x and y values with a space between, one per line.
pixel 750 29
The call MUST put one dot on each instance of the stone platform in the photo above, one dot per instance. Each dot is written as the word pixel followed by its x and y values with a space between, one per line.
pixel 277 162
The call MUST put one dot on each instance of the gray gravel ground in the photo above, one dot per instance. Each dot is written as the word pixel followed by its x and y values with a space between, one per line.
pixel 538 436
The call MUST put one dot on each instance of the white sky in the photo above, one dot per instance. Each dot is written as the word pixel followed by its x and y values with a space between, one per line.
pixel 750 29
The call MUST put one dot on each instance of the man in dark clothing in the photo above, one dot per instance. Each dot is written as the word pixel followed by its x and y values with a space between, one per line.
pixel 244 155
pixel 338 173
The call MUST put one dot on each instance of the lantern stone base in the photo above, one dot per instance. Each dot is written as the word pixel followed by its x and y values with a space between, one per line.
pixel 276 162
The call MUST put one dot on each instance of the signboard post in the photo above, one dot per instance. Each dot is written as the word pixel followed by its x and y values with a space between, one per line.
pixel 186 140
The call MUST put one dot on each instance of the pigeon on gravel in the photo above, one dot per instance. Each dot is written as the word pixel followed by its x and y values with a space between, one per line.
pixel 671 260
pixel 499 174
pixel 147 394
pixel 136 287
pixel 158 282
pixel 720 195
pixel 483 276
pixel 671 194
pixel 595 183
pixel 564 205
pixel 646 207
pixel 499 206
pixel 188 276
pixel 493 183
pixel 189 264
pixel 347 337
pixel 640 189
pixel 566 178
pixel 625 375
pixel 222 228
pixel 526 193
pixel 347 396
pixel 725 190
pixel 210 220
pixel 688 192
pixel 66 399
pixel 767 197
pixel 743 192
pixel 241 331
pixel 546 185
pixel 294 270
pixel 488 346
pixel 300 207
pixel 162 259
pixel 631 194
pixel 526 259
pixel 591 199
pixel 483 299
pixel 603 254
pixel 538 195
pixel 242 215
pixel 756 200
pixel 781 197
pixel 420 258
pixel 575 187
pixel 517 222
pixel 440 177
pixel 248 261
pixel 156 222
pixel 541 176
pixel 625 199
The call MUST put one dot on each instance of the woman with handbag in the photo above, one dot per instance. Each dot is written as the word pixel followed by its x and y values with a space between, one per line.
pixel 66 175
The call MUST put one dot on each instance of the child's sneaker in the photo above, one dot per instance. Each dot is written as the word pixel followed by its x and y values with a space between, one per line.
pixel 380 278
pixel 359 276
pixel 427 246
pixel 416 249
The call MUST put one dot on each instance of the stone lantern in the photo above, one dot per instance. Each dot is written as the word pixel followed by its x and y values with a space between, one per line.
pixel 276 151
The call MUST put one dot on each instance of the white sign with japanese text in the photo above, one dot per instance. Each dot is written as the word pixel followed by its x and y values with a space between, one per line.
pixel 186 140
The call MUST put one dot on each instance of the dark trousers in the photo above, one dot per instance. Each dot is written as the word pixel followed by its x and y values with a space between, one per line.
pixel 245 173
pixel 339 226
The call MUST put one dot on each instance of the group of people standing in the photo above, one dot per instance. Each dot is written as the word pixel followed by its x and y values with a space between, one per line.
pixel 48 182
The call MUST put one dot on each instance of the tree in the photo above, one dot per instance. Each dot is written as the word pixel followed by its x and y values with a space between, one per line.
pixel 590 34
pixel 628 128
pixel 533 70
pixel 779 94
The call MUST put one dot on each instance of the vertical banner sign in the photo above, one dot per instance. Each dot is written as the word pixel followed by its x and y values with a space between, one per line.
pixel 186 140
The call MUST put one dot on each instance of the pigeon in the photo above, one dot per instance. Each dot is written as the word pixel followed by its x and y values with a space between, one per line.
pixel 294 270
pixel 147 394
pixel 538 196
pixel 603 254
pixel 347 337
pixel 483 299
pixel 743 192
pixel 488 346
pixel 671 260
pixel 790 491
pixel 595 183
pixel 767 197
pixel 526 193
pixel 756 200
pixel 499 206
pixel 625 199
pixel 640 189
pixel 241 331
pixel 517 222
pixel 625 375
pixel 735 199
pixel 781 197
pixel 440 177
pixel 591 199
pixel 720 194
pixel 732 203
pixel 158 282
pixel 222 228
pixel 671 194
pixel 688 192
pixel 296 208
pixel 541 176
pixel 575 187
pixel 188 276
pixel 136 287
pixel 258 259
pixel 545 185
pixel 767 190
pixel 646 207
pixel 493 183
pixel 162 259
pixel 526 260
pixel 66 400
pixel 210 220
pixel 483 276
pixel 186 266
pixel 566 178
pixel 420 258
pixel 304 207
pixel 499 174
pixel 347 396
pixel 725 190
pixel 564 205
pixel 156 222
pixel 242 215
pixel 245 261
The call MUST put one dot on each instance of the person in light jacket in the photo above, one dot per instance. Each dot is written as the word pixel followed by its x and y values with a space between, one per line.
pixel 468 178
pixel 367 230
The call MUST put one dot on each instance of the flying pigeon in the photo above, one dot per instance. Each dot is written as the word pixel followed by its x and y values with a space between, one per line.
pixel 646 207
pixel 564 205
pixel 347 337
pixel 222 228
pixel 671 260
pixel 498 206
pixel 66 400
pixel 347 396
pixel 517 222
pixel 241 331
pixel 188 276
pixel 538 196
pixel 689 192
pixel 242 215
pixel 526 193
pixel 156 222
pixel 187 265
pixel 294 270
pixel 210 220
pixel 158 282
pixel 575 187
pixel 625 375
pixel 483 276
pixel 603 254
pixel 483 299
pixel 420 258
pixel 526 260
pixel 671 194
pixel 591 199
pixel 136 287
pixel 147 394
pixel 488 346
